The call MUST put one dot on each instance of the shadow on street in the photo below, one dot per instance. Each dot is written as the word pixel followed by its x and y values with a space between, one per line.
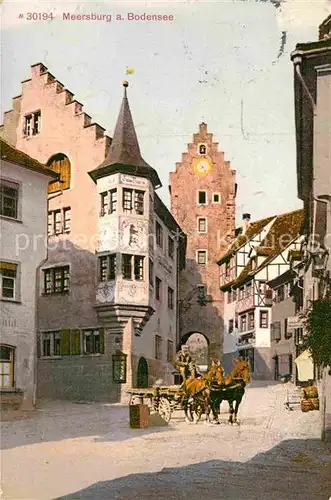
pixel 294 470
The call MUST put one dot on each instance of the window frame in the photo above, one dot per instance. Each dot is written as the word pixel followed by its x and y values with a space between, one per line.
pixel 16 187
pixel 90 332
pixel 135 202
pixel 171 298
pixel 158 288
pixel 261 313
pixel 158 347
pixel 243 323
pixel 251 320
pixel 65 276
pixel 110 268
pixel 200 191
pixel 63 219
pixel 201 251
pixel 219 198
pixel 11 368
pixel 170 351
pixel 50 336
pixel 35 123
pixel 10 267
pixel 151 272
pixel 171 248
pixel 199 230
pixel 159 236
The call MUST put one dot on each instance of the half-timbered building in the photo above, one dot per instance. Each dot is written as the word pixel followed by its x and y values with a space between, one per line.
pixel 260 253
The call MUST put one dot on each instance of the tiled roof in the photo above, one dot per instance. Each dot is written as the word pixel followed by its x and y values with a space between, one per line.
pixel 283 231
pixel 11 154
pixel 252 230
pixel 124 154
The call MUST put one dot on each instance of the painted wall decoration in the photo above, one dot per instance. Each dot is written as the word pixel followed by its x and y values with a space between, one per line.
pixel 133 180
pixel 108 235
pixel 133 293
pixel 134 235
pixel 106 293
pixel 107 182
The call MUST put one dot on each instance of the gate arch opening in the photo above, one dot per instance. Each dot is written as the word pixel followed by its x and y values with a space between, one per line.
pixel 198 344
pixel 142 374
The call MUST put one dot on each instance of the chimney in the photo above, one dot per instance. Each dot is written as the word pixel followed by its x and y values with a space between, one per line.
pixel 246 221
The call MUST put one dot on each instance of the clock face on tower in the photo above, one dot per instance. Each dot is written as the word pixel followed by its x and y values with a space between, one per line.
pixel 202 166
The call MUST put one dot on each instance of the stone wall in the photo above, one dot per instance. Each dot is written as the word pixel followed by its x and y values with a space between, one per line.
pixel 77 379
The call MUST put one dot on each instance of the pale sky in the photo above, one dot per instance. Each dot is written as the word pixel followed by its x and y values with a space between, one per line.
pixel 216 62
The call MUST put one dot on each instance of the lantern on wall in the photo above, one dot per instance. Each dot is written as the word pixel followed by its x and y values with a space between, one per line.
pixel 119 365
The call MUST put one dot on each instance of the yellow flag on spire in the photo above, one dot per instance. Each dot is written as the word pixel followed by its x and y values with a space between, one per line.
pixel 129 71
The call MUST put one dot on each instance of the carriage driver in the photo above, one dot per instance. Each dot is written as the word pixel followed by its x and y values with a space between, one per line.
pixel 184 362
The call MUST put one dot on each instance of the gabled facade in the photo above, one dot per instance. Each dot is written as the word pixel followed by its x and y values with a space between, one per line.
pixel 23 227
pixel 203 191
pixel 259 254
pixel 111 274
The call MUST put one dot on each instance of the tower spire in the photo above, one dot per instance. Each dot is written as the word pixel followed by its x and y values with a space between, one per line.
pixel 124 153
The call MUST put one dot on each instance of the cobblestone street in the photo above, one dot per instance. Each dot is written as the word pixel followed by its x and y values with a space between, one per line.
pixel 87 451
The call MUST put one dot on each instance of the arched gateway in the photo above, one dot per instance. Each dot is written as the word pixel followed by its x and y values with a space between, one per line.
pixel 199 347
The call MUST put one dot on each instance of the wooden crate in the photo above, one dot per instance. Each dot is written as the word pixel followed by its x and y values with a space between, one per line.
pixel 139 416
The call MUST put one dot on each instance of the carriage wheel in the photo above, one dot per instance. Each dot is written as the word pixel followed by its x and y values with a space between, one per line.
pixel 165 409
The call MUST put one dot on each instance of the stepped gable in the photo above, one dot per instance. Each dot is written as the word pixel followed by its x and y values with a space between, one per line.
pixel 207 137
pixel 124 154
pixel 40 71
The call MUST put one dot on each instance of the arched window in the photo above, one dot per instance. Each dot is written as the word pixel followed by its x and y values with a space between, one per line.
pixel 7 365
pixel 60 163
pixel 202 149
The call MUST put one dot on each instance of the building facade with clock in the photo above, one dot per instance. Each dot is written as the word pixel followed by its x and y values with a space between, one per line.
pixel 203 192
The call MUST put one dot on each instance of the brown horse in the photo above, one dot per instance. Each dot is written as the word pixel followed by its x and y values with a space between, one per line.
pixel 197 392
pixel 232 391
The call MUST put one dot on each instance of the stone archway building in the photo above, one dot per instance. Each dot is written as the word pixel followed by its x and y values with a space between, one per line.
pixel 203 192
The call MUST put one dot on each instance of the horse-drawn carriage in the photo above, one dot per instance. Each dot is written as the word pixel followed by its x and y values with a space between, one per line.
pixel 198 395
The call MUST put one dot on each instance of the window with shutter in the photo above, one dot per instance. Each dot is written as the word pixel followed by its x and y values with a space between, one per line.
pixel 60 163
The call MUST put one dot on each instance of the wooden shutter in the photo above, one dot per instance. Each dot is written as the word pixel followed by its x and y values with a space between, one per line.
pixel 102 340
pixel 61 165
pixel 65 342
pixel 75 342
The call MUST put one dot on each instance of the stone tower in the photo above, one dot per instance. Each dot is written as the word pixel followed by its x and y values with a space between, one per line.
pixel 203 191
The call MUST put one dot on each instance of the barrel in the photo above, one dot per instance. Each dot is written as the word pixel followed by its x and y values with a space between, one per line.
pixel 306 405
pixel 315 402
